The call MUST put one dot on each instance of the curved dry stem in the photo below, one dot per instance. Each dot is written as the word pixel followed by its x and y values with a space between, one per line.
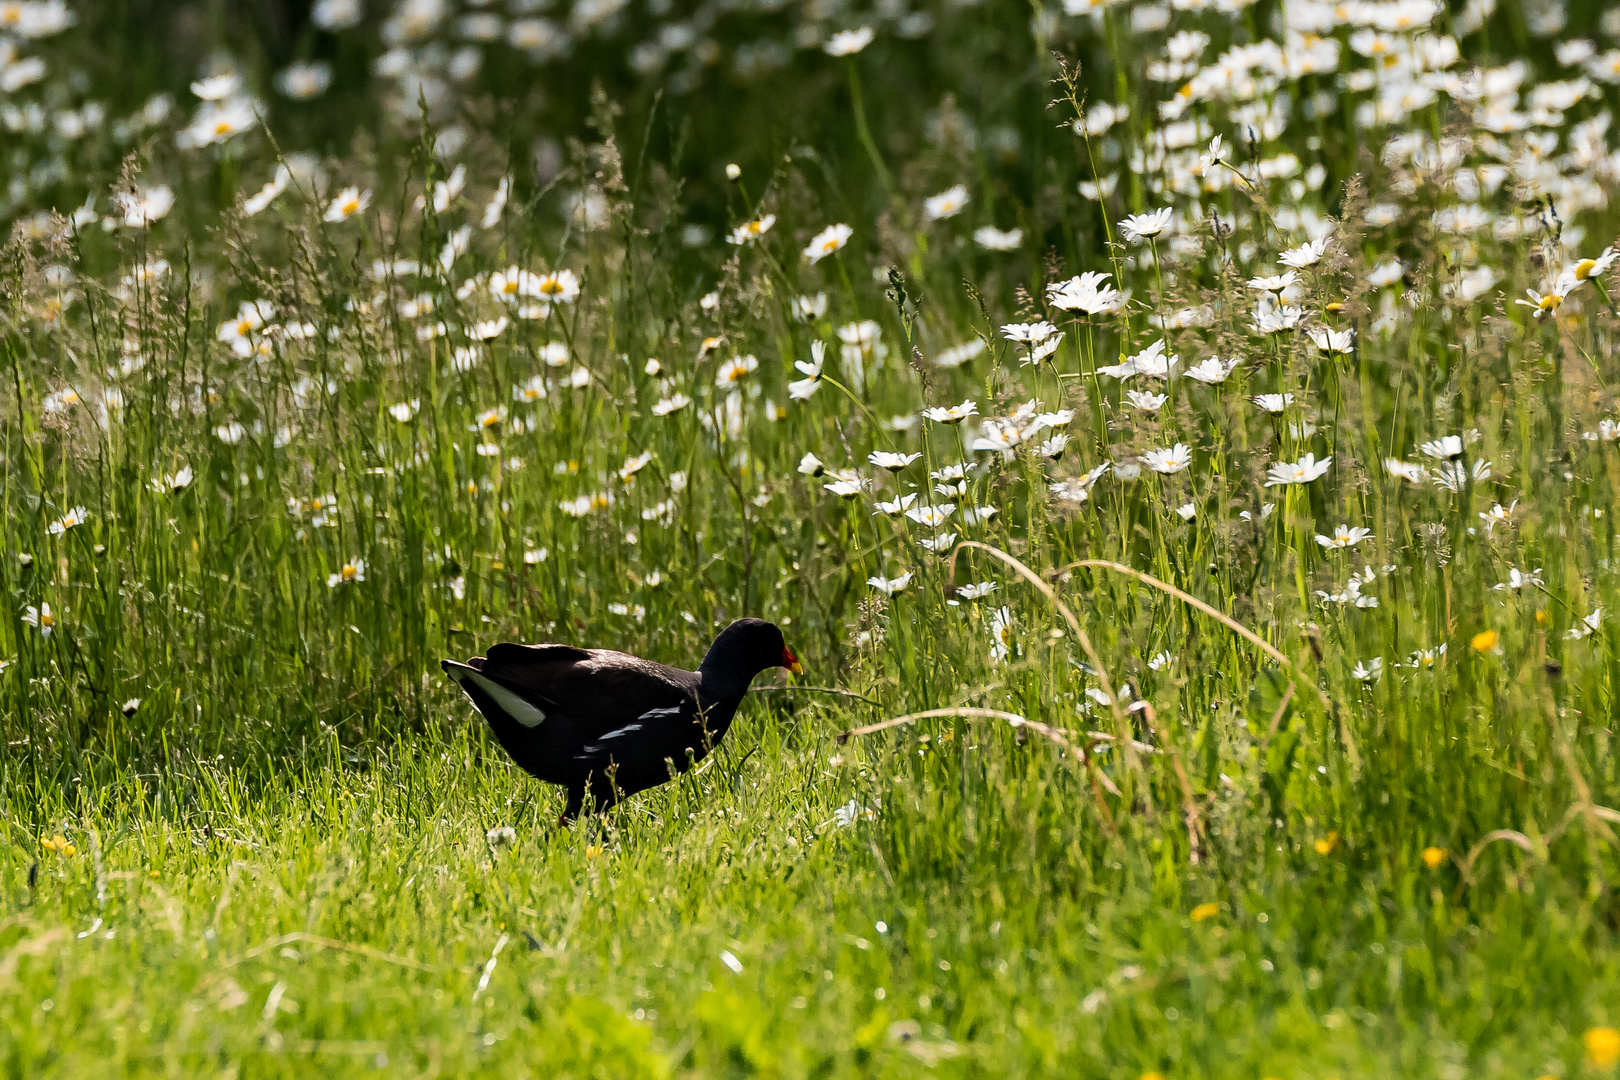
pixel 1108 736
pixel 1593 814
pixel 1189 802
pixel 833 690
pixel 1581 808
pixel 1242 631
pixel 315 941
pixel 974 713
pixel 1193 601
pixel 1512 836
pixel 1074 624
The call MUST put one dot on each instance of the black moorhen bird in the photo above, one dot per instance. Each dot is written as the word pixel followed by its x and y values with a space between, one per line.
pixel 610 723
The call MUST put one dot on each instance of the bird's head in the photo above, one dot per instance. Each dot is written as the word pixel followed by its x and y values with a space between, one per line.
pixel 749 646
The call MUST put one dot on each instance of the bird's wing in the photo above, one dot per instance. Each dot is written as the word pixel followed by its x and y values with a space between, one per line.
pixel 598 689
pixel 640 748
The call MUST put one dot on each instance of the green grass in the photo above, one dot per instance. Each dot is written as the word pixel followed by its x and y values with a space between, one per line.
pixel 369 903
pixel 247 829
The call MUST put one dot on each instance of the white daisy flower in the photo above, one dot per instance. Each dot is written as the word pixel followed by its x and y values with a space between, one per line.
pixel 827 241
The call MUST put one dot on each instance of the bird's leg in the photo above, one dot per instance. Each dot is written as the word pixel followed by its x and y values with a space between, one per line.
pixel 576 802
pixel 604 794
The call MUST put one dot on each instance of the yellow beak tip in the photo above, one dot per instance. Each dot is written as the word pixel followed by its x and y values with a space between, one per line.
pixel 797 668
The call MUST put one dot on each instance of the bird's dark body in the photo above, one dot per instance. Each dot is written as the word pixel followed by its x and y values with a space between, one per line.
pixel 607 723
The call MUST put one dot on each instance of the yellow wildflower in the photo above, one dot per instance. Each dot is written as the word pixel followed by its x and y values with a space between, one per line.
pixel 1602 1047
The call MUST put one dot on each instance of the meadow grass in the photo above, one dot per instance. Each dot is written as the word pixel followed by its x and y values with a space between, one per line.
pixel 1227 693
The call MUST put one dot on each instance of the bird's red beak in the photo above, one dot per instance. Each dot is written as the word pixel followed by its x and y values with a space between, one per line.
pixel 791 662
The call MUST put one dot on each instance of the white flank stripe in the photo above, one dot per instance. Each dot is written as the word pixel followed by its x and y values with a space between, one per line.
pixel 510 703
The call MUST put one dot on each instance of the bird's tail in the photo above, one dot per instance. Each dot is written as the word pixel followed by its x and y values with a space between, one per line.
pixel 489 696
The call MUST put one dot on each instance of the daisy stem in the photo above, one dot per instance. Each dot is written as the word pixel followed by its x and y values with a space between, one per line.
pixel 876 425
pixel 1298 536
pixel 1096 388
pixel 1158 272
pixel 864 132
pixel 1057 379
pixel 849 287
pixel 1598 284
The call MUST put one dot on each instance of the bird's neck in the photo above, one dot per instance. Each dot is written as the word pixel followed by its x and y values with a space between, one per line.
pixel 719 684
